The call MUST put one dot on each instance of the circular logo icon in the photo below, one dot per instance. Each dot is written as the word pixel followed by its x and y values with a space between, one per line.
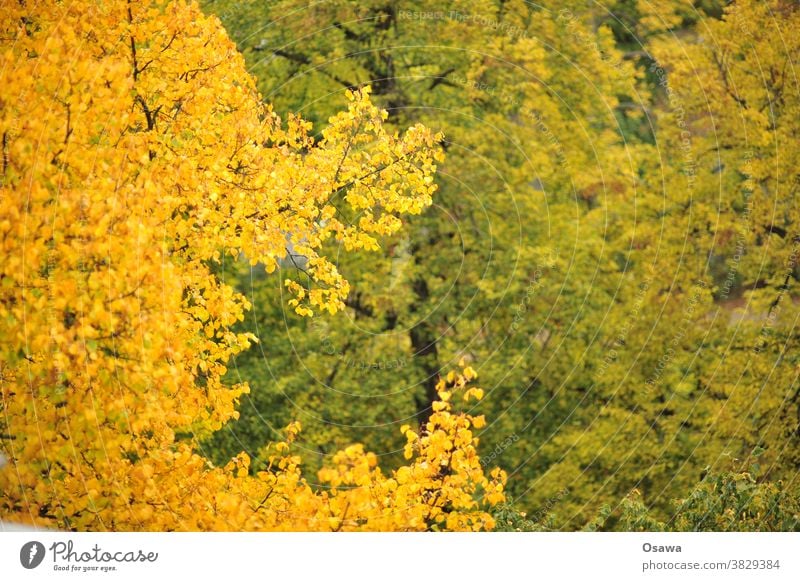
pixel 31 554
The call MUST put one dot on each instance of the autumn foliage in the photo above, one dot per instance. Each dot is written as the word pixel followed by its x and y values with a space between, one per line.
pixel 137 156
pixel 613 246
pixel 204 244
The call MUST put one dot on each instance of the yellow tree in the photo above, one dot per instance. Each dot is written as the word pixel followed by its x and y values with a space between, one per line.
pixel 733 81
pixel 137 156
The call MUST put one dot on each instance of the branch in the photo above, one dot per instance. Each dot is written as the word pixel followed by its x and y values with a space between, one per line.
pixel 133 44
pixel 724 73
pixel 304 60
pixel 441 78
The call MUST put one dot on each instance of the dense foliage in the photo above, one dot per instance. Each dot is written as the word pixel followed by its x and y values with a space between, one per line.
pixel 138 157
pixel 612 244
pixel 346 212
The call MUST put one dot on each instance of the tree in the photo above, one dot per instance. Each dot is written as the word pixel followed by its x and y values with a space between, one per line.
pixel 507 269
pixel 727 502
pixel 138 157
pixel 593 227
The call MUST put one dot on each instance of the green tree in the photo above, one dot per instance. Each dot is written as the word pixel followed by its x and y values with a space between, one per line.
pixel 613 192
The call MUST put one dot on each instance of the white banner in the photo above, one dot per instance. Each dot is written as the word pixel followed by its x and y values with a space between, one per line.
pixel 421 556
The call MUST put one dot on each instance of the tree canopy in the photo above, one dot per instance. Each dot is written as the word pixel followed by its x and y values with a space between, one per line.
pixel 371 239
pixel 610 243
pixel 139 156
